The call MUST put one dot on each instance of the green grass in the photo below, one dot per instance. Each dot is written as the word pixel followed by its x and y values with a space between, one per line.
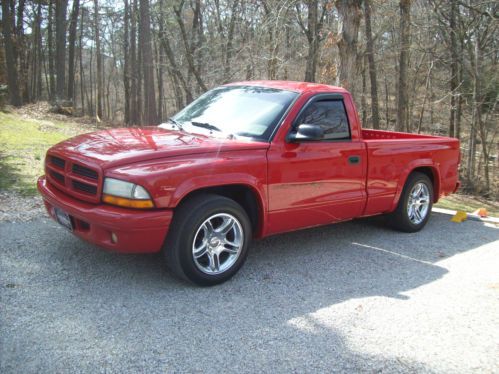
pixel 23 144
pixel 468 204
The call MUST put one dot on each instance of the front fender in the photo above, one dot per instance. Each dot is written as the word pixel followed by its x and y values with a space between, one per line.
pixel 170 180
pixel 208 181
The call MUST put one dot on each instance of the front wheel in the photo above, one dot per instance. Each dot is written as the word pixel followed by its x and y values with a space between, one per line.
pixel 208 240
pixel 414 207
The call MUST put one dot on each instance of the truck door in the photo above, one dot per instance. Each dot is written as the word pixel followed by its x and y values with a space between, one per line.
pixel 317 182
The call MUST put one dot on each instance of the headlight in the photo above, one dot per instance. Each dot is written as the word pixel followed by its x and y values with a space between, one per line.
pixel 126 194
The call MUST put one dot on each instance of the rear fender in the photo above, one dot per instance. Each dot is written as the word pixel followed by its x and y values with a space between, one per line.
pixel 412 166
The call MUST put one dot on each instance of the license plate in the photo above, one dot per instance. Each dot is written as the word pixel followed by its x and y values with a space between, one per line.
pixel 63 218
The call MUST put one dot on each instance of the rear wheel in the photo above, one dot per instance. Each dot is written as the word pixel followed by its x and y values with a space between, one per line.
pixel 208 240
pixel 414 207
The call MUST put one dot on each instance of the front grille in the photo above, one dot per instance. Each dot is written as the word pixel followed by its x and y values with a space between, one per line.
pixel 57 176
pixel 87 188
pixel 84 171
pixel 81 182
pixel 59 162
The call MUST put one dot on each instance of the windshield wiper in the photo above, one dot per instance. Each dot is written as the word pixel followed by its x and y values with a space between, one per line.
pixel 175 123
pixel 206 126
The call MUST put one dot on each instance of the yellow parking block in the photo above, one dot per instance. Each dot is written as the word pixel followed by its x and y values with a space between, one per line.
pixel 459 217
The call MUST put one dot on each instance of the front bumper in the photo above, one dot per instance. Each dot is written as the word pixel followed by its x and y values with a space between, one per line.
pixel 135 231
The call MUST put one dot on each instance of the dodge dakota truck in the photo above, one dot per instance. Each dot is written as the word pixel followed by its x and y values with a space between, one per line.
pixel 245 160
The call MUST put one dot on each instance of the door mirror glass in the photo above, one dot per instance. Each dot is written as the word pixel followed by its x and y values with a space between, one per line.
pixel 306 132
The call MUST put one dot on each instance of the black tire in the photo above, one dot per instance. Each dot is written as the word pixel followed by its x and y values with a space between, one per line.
pixel 400 219
pixel 188 219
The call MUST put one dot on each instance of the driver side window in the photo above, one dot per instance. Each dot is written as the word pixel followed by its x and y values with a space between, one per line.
pixel 330 115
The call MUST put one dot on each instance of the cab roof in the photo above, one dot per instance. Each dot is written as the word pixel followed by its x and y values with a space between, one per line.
pixel 300 87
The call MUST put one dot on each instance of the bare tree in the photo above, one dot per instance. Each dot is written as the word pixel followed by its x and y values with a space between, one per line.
pixel 10 52
pixel 372 65
pixel 134 63
pixel 312 30
pixel 403 90
pixel 99 61
pixel 60 47
pixel 38 55
pixel 147 63
pixel 126 62
pixel 350 14
pixel 454 79
pixel 134 69
pixel 50 45
pixel 23 53
pixel 229 48
pixel 71 51
pixel 188 49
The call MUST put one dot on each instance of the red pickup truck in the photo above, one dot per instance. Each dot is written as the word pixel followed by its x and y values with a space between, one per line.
pixel 245 160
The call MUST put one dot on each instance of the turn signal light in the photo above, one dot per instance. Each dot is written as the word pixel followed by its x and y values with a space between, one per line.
pixel 127 203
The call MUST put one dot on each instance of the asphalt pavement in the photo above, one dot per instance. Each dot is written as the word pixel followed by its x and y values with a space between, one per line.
pixel 351 297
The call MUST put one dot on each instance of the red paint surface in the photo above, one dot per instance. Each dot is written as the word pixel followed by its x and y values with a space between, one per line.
pixel 137 231
pixel 297 185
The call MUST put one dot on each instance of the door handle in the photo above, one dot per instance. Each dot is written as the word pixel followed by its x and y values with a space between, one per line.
pixel 354 160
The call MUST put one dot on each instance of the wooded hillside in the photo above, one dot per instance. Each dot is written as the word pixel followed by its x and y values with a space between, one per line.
pixel 412 65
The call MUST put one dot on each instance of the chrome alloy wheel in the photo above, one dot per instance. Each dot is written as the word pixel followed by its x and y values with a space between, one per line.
pixel 418 203
pixel 217 244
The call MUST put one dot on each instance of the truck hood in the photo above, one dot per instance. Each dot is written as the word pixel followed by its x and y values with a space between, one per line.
pixel 117 147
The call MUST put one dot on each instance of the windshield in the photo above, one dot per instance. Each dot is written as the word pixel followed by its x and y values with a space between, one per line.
pixel 246 111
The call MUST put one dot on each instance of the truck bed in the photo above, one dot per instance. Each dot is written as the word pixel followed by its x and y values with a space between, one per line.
pixel 393 155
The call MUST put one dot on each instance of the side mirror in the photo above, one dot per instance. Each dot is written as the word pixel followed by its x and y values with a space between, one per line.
pixel 306 132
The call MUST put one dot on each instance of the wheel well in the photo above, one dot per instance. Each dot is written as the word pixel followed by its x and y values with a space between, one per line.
pixel 243 195
pixel 431 173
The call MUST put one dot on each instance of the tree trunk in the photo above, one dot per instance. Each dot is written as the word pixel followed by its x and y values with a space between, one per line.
pixel 107 97
pixel 50 42
pixel 60 47
pixel 83 92
pixel 363 100
pixel 188 50
pixel 387 107
pixel 312 33
pixel 39 56
pixel 177 91
pixel 161 91
pixel 350 14
pixel 405 34
pixel 22 53
pixel 197 35
pixel 229 48
pixel 425 97
pixel 91 102
pixel 10 54
pixel 273 46
pixel 134 67
pixel 476 109
pixel 478 123
pixel 165 44
pixel 147 64
pixel 99 61
pixel 126 63
pixel 3 73
pixel 71 52
pixel 287 54
pixel 159 75
pixel 372 65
